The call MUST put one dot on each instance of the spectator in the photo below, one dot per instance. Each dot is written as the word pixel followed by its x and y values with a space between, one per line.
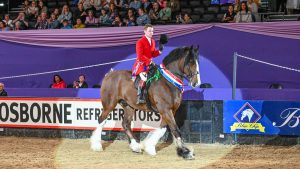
pixel 175 7
pixel 2 91
pixel 56 12
pixel 65 15
pixel 229 15
pixel 32 11
pixel 154 12
pixel 66 25
pixel 237 6
pixel 146 5
pixel 3 26
pixel 43 8
pixel 86 4
pixel 113 10
pixel 186 19
pixel 81 83
pixel 254 9
pixel 52 22
pixel 79 12
pixel 130 19
pixel 8 21
pixel 104 4
pixel 136 4
pixel 244 15
pixel 58 82
pixel 22 23
pixel 143 18
pixel 26 6
pixel 165 13
pixel 42 22
pixel 79 24
pixel 161 3
pixel 17 26
pixel 91 19
pixel 117 22
pixel 122 4
pixel 96 4
pixel 104 19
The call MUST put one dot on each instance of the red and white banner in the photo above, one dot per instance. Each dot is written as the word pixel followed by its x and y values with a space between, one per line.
pixel 68 114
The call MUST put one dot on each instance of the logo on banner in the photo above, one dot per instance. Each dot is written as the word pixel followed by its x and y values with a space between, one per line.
pixel 290 117
pixel 247 118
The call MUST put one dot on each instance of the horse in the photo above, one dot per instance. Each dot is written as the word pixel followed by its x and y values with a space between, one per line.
pixel 164 97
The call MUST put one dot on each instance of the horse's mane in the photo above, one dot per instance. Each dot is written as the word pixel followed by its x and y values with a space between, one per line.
pixel 176 54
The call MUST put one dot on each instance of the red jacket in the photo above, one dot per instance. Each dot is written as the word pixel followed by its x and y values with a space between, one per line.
pixel 60 84
pixel 144 53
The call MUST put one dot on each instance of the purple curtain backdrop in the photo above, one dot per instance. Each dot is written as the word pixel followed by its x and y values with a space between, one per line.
pixel 30 52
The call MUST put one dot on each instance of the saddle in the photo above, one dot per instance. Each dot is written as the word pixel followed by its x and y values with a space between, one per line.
pixel 152 75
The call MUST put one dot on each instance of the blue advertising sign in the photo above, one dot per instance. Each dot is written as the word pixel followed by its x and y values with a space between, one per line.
pixel 262 117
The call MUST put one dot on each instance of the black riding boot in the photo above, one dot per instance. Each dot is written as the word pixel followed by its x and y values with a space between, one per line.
pixel 140 93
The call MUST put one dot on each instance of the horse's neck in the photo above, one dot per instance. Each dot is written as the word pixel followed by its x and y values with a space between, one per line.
pixel 174 69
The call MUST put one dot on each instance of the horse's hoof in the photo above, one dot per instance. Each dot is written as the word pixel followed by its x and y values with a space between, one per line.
pixel 135 147
pixel 96 147
pixel 150 150
pixel 189 156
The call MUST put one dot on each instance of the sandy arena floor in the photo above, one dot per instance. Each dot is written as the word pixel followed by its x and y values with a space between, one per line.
pixel 29 153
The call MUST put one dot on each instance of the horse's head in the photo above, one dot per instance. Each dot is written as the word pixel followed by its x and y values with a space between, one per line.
pixel 191 66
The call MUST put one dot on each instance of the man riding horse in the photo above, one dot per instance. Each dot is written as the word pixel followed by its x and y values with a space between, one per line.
pixel 145 51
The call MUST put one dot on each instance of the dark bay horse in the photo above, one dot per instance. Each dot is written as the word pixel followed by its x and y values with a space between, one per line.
pixel 118 87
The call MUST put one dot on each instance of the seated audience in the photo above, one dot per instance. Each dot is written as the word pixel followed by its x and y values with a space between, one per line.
pixel 117 22
pixel 165 12
pixel 65 15
pixel 229 15
pixel 8 21
pixel 244 15
pixel 81 83
pixel 66 25
pixel 175 7
pixel 42 22
pixel 185 20
pixel 91 19
pixel 20 22
pixel 79 12
pixel 143 18
pixel 79 24
pixel 58 82
pixel 3 26
pixel 104 18
pixel 2 91
pixel 154 12
pixel 135 4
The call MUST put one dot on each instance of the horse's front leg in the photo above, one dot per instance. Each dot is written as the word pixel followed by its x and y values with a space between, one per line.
pixel 182 150
pixel 134 145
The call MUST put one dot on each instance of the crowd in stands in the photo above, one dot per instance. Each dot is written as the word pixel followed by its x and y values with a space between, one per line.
pixel 78 14
pixel 58 82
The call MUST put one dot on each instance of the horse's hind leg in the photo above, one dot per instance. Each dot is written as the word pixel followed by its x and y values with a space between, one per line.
pixel 129 112
pixel 96 136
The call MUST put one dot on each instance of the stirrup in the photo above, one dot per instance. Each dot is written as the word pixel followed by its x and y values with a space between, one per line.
pixel 140 101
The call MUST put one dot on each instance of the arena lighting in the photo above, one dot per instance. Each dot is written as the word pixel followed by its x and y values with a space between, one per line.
pixel 1 4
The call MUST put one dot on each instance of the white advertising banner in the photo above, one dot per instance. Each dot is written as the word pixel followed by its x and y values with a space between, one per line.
pixel 68 114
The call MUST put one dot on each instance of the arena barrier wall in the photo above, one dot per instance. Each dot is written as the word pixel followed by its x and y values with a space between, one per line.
pixel 199 121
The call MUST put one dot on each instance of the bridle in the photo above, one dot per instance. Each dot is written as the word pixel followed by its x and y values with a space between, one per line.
pixel 190 73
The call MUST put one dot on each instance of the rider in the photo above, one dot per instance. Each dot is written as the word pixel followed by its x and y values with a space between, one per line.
pixel 145 50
